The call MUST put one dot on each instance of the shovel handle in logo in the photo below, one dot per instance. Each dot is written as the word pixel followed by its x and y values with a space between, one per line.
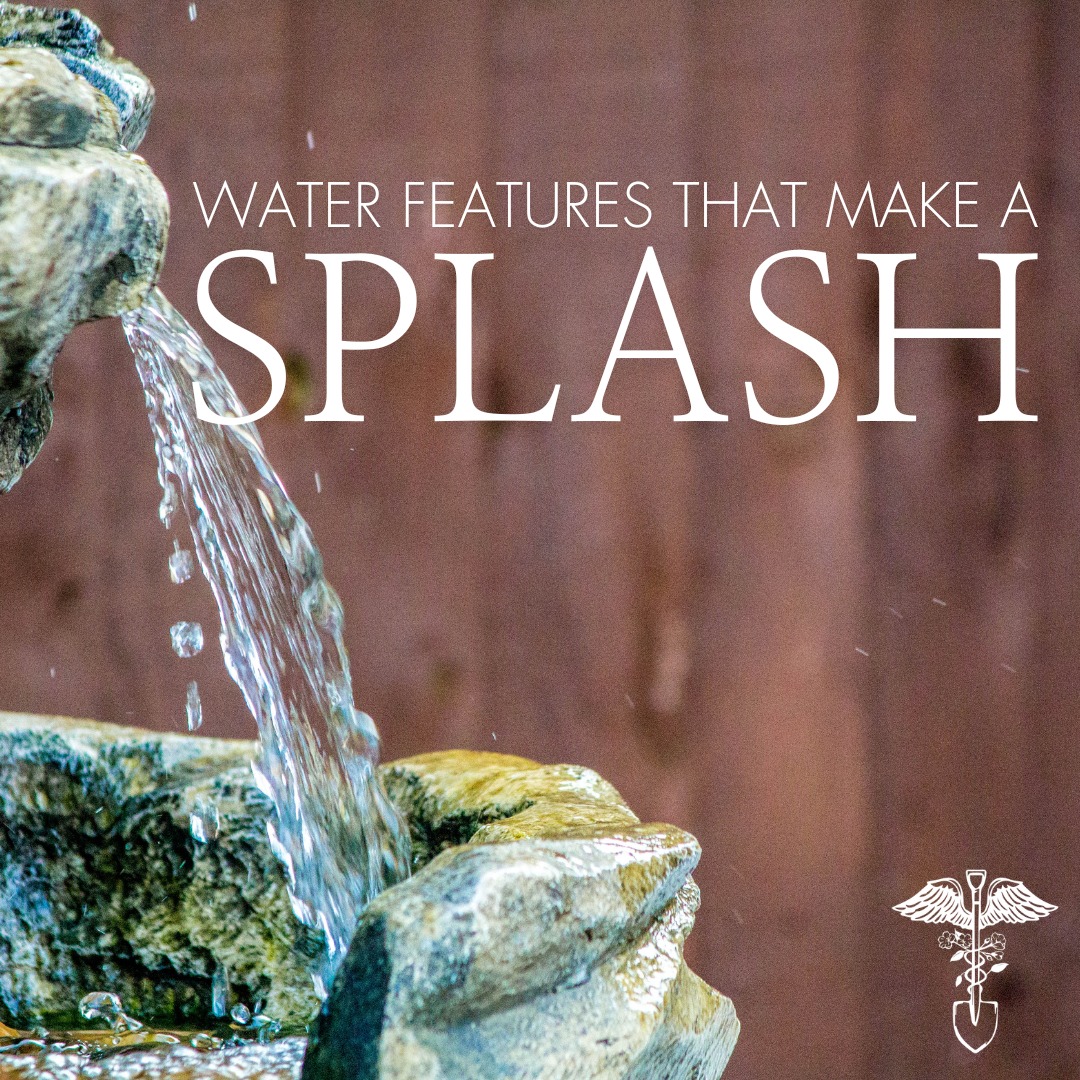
pixel 1006 900
pixel 978 1028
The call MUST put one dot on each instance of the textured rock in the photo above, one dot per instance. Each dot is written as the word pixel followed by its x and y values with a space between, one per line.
pixel 82 219
pixel 43 104
pixel 78 43
pixel 23 432
pixel 102 886
pixel 540 935
pixel 543 940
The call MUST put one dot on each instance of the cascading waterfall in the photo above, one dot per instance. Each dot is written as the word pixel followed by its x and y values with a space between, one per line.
pixel 337 834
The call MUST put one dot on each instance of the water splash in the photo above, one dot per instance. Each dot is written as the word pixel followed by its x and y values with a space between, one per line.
pixel 339 837
pixel 181 564
pixel 187 638
pixel 107 1006
pixel 205 822
pixel 168 504
pixel 219 991
pixel 203 1055
pixel 101 1004
pixel 193 706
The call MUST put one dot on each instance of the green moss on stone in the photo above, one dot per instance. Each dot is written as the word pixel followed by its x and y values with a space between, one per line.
pixel 104 888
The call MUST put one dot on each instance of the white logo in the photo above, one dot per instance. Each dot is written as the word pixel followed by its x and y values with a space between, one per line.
pixel 1007 901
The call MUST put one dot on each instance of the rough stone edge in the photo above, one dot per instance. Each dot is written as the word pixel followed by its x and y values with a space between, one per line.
pixel 268 956
pixel 698 1023
pixel 698 1026
pixel 89 735
pixel 79 43
pixel 20 441
pixel 126 99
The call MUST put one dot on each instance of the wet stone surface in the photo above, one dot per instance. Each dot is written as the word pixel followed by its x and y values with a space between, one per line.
pixel 104 887
pixel 279 1060
pixel 82 219
pixel 540 935
pixel 541 939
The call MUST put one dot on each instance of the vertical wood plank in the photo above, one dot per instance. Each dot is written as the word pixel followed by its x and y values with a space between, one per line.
pixel 391 94
pixel 952 597
pixel 1044 998
pixel 779 779
pixel 588 589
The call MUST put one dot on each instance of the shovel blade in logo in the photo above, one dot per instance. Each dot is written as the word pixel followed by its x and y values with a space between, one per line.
pixel 976 1034
pixel 975 1019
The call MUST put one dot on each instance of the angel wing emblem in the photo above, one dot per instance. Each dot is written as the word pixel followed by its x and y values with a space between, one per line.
pixel 938 901
pixel 1013 902
pixel 942 901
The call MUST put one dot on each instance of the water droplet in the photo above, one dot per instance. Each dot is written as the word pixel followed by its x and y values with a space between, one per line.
pixel 126 1023
pixel 101 1005
pixel 311 140
pixel 318 484
pixel 205 824
pixel 192 12
pixel 266 1026
pixel 181 564
pixel 241 1015
pixel 219 991
pixel 52 673
pixel 169 502
pixel 187 638
pixel 194 707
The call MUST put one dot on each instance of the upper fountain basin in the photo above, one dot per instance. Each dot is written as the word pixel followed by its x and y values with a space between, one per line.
pixel 83 220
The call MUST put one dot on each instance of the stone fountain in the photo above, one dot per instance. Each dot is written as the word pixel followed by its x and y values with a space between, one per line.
pixel 82 218
pixel 541 932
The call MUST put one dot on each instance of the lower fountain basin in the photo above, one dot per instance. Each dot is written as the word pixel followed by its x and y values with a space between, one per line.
pixel 540 935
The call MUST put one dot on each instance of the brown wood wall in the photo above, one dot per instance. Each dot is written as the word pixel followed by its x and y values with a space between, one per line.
pixel 679 606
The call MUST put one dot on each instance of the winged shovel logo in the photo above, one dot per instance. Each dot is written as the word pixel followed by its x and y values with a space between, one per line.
pixel 975 1018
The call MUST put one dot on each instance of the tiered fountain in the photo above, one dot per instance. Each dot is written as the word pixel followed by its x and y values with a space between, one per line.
pixel 182 906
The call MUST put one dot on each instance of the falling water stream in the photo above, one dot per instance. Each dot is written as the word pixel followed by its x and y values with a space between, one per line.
pixel 339 837
pixel 337 834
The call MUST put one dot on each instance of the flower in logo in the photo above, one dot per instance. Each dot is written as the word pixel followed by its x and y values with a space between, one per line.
pixel 1005 900
pixel 994 948
pixel 953 939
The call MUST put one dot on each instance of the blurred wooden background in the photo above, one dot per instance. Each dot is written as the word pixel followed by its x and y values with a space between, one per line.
pixel 686 608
